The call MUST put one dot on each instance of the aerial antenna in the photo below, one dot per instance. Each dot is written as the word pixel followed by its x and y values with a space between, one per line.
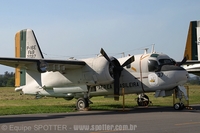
pixel 152 49
pixel 123 54
pixel 146 50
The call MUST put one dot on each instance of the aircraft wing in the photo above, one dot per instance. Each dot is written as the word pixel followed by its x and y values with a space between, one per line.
pixel 50 64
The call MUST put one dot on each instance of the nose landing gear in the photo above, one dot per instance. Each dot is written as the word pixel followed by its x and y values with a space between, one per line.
pixel 179 106
pixel 180 93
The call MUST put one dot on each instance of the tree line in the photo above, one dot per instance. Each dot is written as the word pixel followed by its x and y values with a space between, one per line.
pixel 7 79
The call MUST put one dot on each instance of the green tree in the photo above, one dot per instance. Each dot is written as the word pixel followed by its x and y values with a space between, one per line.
pixel 7 80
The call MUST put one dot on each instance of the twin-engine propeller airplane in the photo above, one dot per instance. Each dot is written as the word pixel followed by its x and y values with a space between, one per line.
pixel 98 76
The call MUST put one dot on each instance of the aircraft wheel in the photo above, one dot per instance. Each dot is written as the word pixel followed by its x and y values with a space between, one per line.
pixel 82 103
pixel 143 101
pixel 178 106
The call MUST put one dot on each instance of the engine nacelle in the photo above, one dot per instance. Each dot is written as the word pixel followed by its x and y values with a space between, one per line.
pixel 99 70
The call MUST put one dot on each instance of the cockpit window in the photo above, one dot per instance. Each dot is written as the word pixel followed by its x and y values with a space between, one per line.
pixel 156 62
pixel 166 62
pixel 154 55
pixel 153 65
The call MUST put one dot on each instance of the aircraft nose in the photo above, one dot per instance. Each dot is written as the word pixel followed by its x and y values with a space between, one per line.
pixel 181 76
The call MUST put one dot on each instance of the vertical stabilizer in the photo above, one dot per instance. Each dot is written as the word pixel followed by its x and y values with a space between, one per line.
pixel 198 39
pixel 191 49
pixel 26 46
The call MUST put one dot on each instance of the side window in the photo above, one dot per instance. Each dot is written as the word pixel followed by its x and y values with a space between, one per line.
pixel 153 65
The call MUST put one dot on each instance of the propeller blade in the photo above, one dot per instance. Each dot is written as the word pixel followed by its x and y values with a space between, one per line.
pixel 183 61
pixel 116 85
pixel 129 61
pixel 105 55
pixel 117 69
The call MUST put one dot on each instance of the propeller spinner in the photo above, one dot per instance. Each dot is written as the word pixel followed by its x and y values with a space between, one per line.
pixel 116 71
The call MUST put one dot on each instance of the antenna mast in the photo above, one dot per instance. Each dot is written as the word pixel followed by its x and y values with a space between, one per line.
pixel 152 49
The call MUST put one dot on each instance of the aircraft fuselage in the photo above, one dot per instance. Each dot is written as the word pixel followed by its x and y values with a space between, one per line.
pixel 148 73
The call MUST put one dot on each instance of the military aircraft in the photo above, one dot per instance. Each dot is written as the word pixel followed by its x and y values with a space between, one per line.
pixel 192 49
pixel 102 75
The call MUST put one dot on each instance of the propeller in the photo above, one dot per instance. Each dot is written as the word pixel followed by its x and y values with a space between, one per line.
pixel 116 71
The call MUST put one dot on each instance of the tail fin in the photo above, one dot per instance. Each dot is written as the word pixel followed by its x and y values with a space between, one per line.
pixel 192 48
pixel 26 46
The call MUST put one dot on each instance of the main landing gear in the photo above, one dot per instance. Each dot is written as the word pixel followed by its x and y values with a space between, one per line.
pixel 82 103
pixel 142 100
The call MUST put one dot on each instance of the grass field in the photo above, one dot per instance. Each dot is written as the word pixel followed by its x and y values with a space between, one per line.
pixel 13 103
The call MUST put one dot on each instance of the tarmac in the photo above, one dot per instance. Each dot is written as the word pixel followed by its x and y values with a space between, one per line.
pixel 135 120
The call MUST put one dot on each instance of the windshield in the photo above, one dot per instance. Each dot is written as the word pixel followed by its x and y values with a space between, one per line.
pixel 156 61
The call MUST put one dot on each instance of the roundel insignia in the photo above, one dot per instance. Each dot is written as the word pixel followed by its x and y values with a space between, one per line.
pixel 153 79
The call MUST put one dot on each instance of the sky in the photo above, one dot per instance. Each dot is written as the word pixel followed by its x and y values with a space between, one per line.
pixel 80 28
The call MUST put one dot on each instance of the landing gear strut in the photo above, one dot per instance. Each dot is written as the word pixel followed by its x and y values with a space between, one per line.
pixel 143 100
pixel 84 102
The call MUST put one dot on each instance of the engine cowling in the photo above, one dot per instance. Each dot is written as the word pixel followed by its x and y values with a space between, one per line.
pixel 100 70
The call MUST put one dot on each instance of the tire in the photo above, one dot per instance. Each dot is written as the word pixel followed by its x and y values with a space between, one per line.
pixel 177 106
pixel 82 103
